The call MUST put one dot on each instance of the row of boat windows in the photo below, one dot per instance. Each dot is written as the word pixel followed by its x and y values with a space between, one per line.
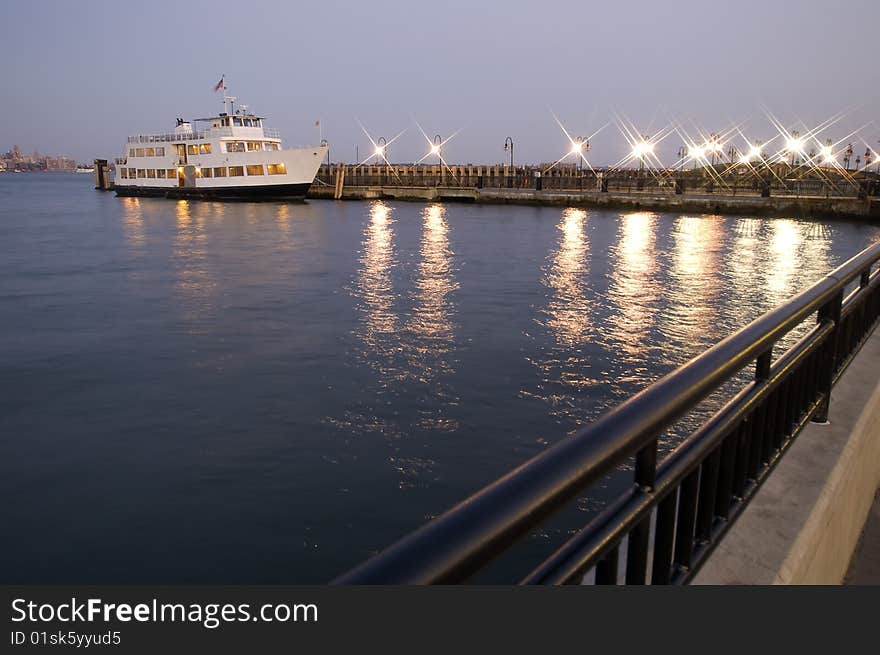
pixel 217 171
pixel 146 152
pixel 203 148
pixel 240 122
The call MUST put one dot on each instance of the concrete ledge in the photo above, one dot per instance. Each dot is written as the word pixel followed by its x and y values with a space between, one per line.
pixel 750 205
pixel 805 522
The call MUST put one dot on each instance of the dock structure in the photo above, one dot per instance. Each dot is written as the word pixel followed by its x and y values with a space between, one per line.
pixel 102 175
pixel 782 190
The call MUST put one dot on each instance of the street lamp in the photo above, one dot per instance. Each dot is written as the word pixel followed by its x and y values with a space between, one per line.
pixel 579 146
pixel 437 149
pixel 642 149
pixel 847 155
pixel 508 145
pixel 794 145
pixel 714 146
pixel 382 151
pixel 827 152
pixel 381 148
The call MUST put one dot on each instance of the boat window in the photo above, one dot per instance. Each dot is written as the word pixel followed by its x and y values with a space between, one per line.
pixel 192 149
pixel 181 149
pixel 151 172
pixel 276 169
pixel 170 173
pixel 198 172
pixel 235 171
pixel 139 152
pixel 270 146
pixel 205 148
pixel 131 152
pixel 226 122
pixel 149 152
pixel 235 146
pixel 255 169
pixel 132 173
pixel 160 152
pixel 207 172
pixel 254 145
pixel 123 172
pixel 220 171
pixel 141 172
pixel 236 120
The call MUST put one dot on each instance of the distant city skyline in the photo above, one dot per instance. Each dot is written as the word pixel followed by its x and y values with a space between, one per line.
pixel 94 73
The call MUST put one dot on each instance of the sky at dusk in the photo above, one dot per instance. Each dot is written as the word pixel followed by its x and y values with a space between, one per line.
pixel 78 77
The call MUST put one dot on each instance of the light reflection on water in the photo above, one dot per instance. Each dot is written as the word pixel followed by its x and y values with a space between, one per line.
pixel 429 328
pixel 378 328
pixel 634 293
pixel 693 280
pixel 409 348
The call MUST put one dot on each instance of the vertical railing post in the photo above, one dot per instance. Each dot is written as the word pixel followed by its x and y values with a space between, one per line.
pixel 637 545
pixel 828 313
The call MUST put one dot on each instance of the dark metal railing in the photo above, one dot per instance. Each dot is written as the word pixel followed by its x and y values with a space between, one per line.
pixel 803 182
pixel 665 524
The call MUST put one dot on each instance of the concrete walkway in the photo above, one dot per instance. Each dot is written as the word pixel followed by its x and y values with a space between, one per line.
pixel 803 525
pixel 865 566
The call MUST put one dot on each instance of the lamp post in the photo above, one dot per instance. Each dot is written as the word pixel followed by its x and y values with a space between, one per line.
pixel 437 149
pixel 382 151
pixel 578 148
pixel 642 149
pixel 324 143
pixel 508 145
pixel 795 135
pixel 847 155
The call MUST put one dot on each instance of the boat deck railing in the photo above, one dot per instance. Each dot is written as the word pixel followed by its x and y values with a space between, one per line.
pixel 674 511
pixel 210 133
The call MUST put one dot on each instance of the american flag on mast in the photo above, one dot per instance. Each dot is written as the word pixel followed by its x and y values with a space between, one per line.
pixel 220 84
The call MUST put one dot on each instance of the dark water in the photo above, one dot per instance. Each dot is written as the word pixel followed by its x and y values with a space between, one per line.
pixel 200 392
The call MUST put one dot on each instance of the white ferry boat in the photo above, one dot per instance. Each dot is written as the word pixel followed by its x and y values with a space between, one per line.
pixel 231 156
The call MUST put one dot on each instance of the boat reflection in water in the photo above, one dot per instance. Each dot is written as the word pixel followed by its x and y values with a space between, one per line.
pixel 194 285
pixel 133 224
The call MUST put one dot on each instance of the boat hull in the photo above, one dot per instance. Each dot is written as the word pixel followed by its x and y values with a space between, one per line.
pixel 250 193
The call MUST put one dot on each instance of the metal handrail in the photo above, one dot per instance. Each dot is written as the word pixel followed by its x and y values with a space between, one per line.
pixel 696 490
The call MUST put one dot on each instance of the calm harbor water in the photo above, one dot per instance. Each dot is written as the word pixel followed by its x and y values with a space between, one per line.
pixel 259 393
